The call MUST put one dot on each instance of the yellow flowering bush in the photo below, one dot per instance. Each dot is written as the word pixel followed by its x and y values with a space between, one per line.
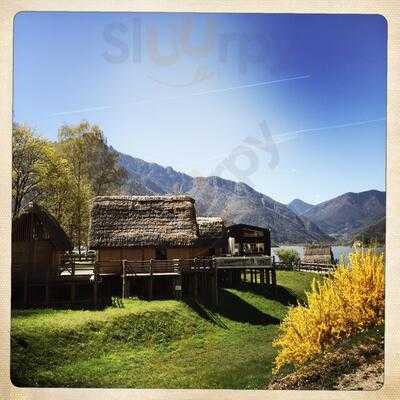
pixel 349 301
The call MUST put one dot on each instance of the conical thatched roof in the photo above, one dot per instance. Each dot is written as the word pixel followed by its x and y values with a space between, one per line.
pixel 36 223
pixel 318 254
pixel 130 221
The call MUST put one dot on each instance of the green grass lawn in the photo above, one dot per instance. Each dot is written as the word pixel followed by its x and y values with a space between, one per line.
pixel 157 344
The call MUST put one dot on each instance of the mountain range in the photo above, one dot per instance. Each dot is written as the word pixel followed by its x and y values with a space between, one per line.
pixel 236 202
pixel 344 216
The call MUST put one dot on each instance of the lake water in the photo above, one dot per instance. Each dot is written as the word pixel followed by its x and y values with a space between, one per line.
pixel 339 252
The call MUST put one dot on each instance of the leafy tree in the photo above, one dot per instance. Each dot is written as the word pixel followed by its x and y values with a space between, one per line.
pixel 27 154
pixel 65 175
pixel 94 168
pixel 289 257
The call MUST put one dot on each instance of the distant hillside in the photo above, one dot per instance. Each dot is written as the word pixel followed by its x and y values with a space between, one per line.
pixel 239 203
pixel 299 206
pixel 347 214
pixel 375 233
pixel 298 222
pixel 236 202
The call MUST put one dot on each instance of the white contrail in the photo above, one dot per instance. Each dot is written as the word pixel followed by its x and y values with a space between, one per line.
pixel 286 136
pixel 142 101
pixel 283 137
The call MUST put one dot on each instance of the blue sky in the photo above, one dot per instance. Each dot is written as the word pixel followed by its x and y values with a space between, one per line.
pixel 294 105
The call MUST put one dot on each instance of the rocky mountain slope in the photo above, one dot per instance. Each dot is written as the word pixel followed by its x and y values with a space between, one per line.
pixel 299 206
pixel 372 234
pixel 347 214
pixel 235 202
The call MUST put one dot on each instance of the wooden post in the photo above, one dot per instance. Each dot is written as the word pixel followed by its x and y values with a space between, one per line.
pixel 195 278
pixel 127 287
pixel 95 288
pixel 151 280
pixel 215 284
pixel 273 272
pixel 26 286
pixel 47 288
pixel 123 279
pixel 73 292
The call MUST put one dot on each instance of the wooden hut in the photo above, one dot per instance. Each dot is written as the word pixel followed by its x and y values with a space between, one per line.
pixel 213 237
pixel 38 243
pixel 318 254
pixel 147 227
pixel 249 240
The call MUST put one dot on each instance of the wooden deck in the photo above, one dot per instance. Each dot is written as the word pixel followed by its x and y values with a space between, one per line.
pixel 191 277
pixel 198 278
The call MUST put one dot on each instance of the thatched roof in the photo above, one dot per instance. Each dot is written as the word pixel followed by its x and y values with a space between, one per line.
pixel 212 231
pixel 36 223
pixel 318 254
pixel 131 221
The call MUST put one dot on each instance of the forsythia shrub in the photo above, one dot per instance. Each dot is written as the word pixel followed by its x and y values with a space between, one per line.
pixel 351 300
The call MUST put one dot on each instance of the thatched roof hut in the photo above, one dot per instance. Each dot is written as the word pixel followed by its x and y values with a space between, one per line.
pixel 35 223
pixel 319 254
pixel 134 221
pixel 211 228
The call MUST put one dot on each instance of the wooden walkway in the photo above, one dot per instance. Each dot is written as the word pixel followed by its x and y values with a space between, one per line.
pixel 197 277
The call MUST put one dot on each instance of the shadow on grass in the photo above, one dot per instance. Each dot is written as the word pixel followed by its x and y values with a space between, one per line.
pixel 234 308
pixel 206 313
pixel 282 294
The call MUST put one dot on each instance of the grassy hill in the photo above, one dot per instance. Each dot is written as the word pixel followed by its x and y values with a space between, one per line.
pixel 158 344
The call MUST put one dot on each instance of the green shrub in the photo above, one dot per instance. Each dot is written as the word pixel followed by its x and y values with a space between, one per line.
pixel 289 257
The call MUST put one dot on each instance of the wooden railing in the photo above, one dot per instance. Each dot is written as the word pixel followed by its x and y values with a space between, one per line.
pixel 130 267
pixel 317 267
pixel 240 262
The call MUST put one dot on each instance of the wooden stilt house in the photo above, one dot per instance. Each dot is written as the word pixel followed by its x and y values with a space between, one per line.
pixel 38 243
pixel 141 228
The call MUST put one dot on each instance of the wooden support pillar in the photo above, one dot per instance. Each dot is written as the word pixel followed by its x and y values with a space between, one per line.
pixel 73 292
pixel 123 279
pixel 95 283
pixel 26 275
pixel 273 279
pixel 215 285
pixel 151 280
pixel 195 279
pixel 195 284
pixel 178 286
pixel 47 288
